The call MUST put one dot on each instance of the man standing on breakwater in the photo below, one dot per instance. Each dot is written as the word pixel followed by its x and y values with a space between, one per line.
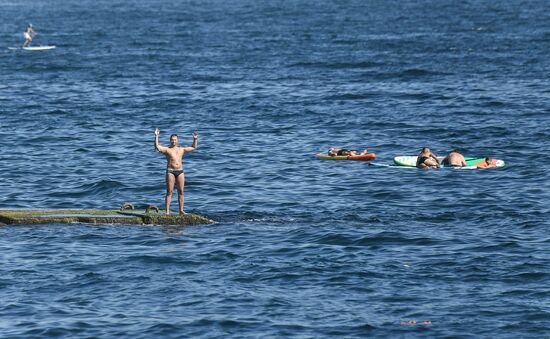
pixel 174 167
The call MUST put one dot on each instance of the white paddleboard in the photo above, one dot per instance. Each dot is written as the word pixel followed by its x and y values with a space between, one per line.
pixel 33 48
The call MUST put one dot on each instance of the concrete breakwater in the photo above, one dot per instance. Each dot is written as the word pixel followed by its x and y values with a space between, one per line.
pixel 96 216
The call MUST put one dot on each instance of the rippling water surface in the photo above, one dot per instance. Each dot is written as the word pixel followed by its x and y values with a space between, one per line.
pixel 302 247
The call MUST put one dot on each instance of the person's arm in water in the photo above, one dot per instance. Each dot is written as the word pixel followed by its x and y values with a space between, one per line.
pixel 158 147
pixel 195 143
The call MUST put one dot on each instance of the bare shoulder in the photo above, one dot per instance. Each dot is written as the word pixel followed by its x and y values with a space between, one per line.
pixel 162 149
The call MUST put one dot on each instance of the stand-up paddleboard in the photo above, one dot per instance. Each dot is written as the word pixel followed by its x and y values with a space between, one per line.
pixel 471 162
pixel 358 157
pixel 33 48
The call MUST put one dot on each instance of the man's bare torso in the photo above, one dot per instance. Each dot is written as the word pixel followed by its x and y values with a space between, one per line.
pixel 174 157
pixel 455 159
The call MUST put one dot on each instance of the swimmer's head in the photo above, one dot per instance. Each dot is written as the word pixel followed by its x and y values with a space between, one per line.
pixel 490 161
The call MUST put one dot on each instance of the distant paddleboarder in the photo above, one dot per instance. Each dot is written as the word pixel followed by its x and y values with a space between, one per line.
pixel 174 167
pixel 28 34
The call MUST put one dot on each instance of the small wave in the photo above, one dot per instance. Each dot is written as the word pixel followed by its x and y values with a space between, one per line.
pixel 51 138
pixel 57 111
pixel 392 239
pixel 407 74
pixel 416 72
pixel 88 278
pixel 239 216
pixel 529 276
pixel 90 189
pixel 349 42
pixel 220 255
pixel 103 184
pixel 352 96
pixel 206 78
pixel 164 328
pixel 55 68
pixel 383 238
pixel 416 96
pixel 157 259
pixel 97 34
pixel 362 219
pixel 338 65
pixel 495 104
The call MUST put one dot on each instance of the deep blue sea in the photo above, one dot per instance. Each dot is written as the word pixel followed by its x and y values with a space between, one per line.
pixel 303 248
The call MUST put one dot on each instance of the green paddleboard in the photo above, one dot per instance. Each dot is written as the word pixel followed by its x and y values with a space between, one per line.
pixel 471 162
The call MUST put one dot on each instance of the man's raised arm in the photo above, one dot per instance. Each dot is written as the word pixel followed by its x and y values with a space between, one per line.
pixel 158 147
pixel 195 143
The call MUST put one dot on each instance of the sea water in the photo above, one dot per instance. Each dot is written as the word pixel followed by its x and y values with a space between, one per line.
pixel 303 247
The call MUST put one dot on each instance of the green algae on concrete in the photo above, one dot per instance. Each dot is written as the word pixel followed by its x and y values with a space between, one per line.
pixel 93 216
pixel 163 219
pixel 89 216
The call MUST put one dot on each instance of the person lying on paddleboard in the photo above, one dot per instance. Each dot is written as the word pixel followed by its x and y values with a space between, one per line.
pixel 344 152
pixel 174 167
pixel 487 163
pixel 427 159
pixel 28 34
pixel 454 159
